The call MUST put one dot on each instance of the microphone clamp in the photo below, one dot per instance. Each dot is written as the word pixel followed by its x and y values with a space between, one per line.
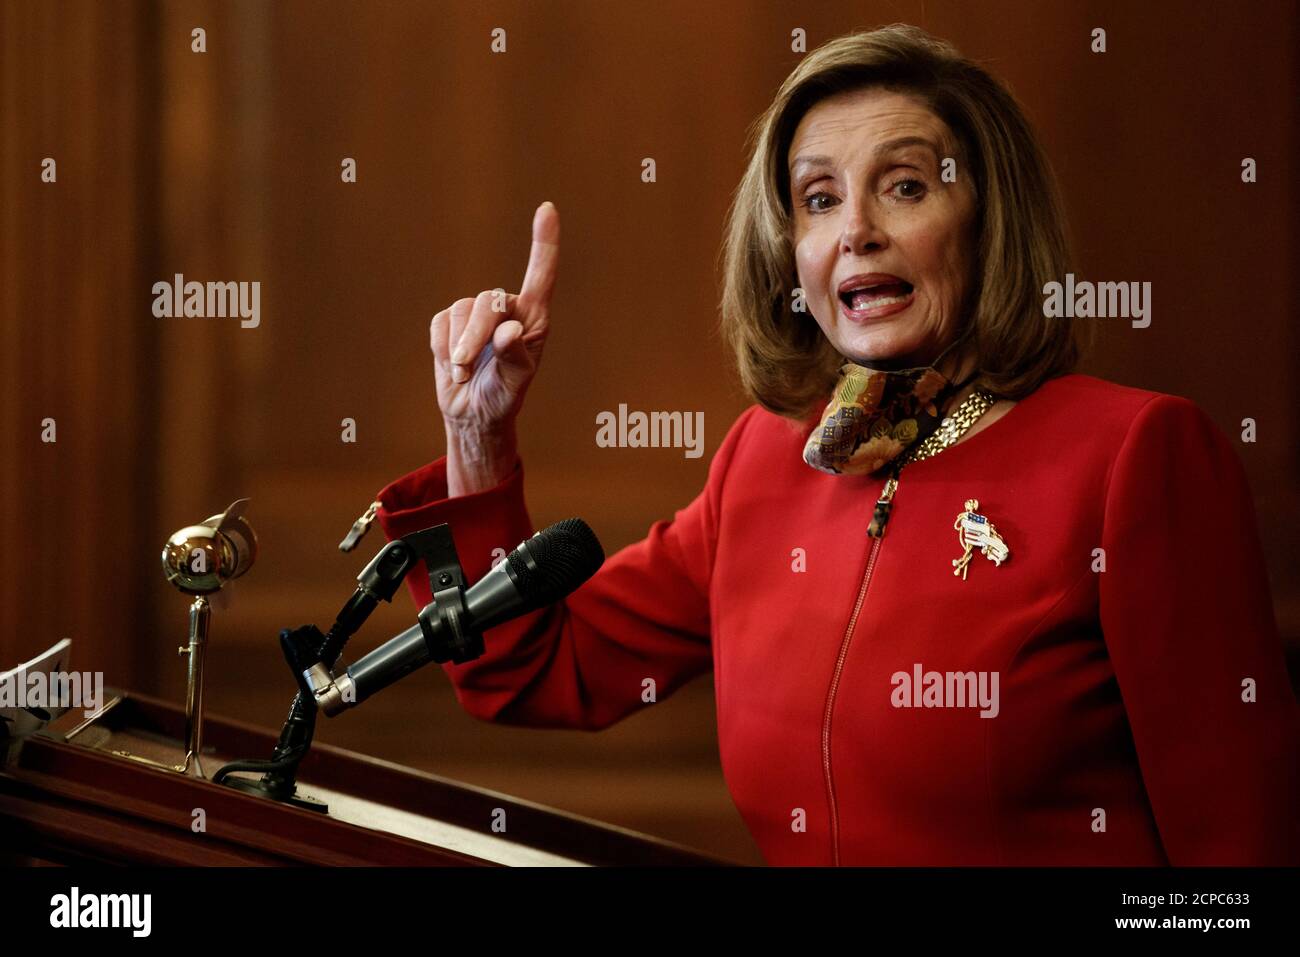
pixel 444 622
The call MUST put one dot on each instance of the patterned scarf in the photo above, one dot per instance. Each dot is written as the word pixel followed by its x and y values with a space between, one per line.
pixel 874 415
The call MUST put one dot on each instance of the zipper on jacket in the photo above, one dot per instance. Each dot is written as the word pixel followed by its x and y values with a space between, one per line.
pixel 876 532
pixel 883 506
pixel 360 527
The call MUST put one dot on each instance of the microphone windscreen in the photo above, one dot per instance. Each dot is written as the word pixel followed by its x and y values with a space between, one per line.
pixel 564 556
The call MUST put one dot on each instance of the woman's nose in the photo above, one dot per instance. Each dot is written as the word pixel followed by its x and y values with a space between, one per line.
pixel 861 231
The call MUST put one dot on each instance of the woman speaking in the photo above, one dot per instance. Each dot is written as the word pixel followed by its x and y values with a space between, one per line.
pixel 963 605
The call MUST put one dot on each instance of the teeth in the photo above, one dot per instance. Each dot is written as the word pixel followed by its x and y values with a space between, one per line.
pixel 862 300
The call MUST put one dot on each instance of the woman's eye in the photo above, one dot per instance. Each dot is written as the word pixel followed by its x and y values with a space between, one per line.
pixel 913 189
pixel 810 202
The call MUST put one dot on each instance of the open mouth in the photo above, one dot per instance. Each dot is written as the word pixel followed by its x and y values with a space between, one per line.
pixel 876 295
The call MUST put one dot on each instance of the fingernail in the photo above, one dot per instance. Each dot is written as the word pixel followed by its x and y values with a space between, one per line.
pixel 458 357
pixel 549 203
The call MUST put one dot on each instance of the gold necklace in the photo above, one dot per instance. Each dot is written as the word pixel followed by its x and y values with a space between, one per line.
pixel 952 428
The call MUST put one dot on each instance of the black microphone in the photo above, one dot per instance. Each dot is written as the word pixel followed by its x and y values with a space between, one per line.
pixel 540 571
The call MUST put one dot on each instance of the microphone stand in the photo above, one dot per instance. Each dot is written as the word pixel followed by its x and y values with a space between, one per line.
pixel 305 647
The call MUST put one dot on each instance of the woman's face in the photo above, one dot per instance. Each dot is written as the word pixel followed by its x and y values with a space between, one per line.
pixel 870 210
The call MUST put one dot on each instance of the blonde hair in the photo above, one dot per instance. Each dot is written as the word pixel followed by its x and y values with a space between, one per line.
pixel 786 363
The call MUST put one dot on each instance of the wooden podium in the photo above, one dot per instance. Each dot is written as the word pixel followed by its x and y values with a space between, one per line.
pixel 67 798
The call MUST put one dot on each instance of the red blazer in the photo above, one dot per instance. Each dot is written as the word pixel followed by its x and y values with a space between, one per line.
pixel 1143 712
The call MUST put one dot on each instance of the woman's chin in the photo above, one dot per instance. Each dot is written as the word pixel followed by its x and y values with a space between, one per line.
pixel 875 350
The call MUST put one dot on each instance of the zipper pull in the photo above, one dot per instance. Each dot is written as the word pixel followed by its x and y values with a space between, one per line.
pixel 360 527
pixel 883 504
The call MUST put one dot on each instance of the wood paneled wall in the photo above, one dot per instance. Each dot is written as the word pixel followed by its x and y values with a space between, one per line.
pixel 78 550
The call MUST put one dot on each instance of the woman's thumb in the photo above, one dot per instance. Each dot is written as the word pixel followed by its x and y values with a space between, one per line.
pixel 515 365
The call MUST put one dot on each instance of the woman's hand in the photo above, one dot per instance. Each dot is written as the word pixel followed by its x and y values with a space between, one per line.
pixel 486 351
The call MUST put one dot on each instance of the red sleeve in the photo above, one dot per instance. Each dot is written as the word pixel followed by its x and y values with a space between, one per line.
pixel 1187 619
pixel 581 663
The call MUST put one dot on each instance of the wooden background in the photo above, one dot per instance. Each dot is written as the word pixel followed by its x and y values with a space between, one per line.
pixel 225 166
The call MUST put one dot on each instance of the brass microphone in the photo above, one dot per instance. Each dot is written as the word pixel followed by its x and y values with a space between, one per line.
pixel 199 560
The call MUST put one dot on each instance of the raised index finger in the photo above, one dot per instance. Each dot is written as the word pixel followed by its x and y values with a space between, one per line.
pixel 543 258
